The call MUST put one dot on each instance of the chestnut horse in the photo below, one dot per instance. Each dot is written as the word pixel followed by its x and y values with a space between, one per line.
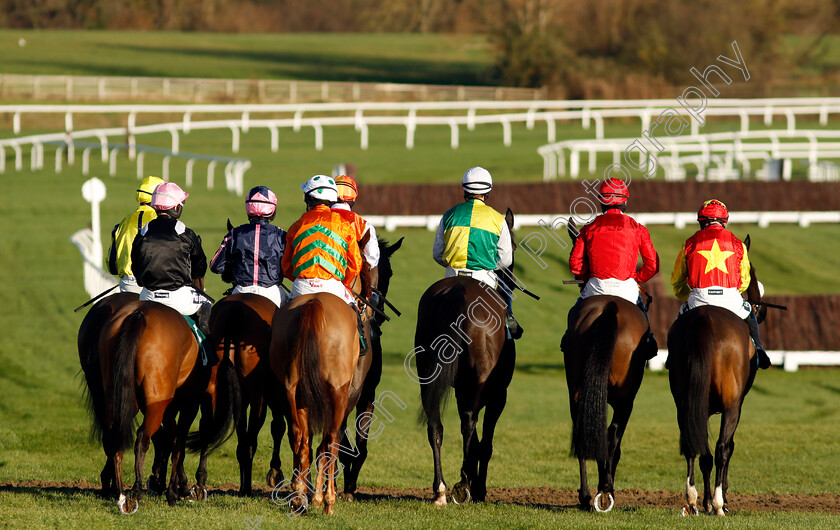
pixel 712 364
pixel 604 354
pixel 461 342
pixel 148 361
pixel 314 356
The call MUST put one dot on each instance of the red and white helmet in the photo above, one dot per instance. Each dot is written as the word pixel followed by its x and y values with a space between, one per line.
pixel 713 210
pixel 614 191
pixel 261 202
pixel 168 196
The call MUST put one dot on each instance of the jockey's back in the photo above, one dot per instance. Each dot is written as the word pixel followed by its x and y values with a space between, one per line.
pixel 251 254
pixel 167 255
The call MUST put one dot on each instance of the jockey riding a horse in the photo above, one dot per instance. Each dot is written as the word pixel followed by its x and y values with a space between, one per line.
pixel 167 257
pixel 250 255
pixel 605 253
pixel 713 268
pixel 348 192
pixel 473 240
pixel 123 234
pixel 323 254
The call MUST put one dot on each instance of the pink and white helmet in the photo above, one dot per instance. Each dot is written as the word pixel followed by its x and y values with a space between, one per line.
pixel 261 202
pixel 167 196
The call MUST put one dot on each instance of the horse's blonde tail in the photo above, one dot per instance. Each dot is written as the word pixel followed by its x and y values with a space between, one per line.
pixel 589 429
pixel 311 393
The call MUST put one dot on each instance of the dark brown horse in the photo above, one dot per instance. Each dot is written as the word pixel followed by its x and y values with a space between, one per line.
pixel 314 356
pixel 605 354
pixel 712 365
pixel 241 327
pixel 147 359
pixel 461 342
pixel 352 458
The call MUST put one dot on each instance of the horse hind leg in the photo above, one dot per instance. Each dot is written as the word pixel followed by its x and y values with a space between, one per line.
pixel 723 452
pixel 434 431
pixel 468 408
pixel 141 446
pixel 278 429
pixel 492 412
pixel 706 465
pixel 690 489
pixel 606 470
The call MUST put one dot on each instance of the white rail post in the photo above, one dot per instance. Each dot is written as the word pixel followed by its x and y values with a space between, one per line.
pixel 140 157
pixel 453 138
pixel 165 168
pixel 234 131
pixel 59 153
pixel 275 138
pixel 189 170
pixel 319 136
pixel 113 162
pixel 210 167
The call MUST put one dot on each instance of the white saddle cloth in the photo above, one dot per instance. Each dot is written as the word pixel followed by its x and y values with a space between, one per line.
pixel 273 293
pixel 726 297
pixel 486 277
pixel 185 300
pixel 627 289
pixel 317 285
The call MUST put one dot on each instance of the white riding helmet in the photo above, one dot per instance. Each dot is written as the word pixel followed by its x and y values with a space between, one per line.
pixel 321 187
pixel 477 180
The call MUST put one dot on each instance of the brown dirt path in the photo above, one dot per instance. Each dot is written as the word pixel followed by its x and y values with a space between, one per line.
pixel 545 497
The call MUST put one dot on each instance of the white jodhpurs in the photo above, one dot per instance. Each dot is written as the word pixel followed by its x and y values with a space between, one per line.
pixel 484 276
pixel 273 293
pixel 128 284
pixel 726 297
pixel 184 300
pixel 317 285
pixel 627 289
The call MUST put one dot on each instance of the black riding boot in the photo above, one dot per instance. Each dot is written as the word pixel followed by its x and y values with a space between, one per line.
pixel 649 340
pixel 202 319
pixel 512 325
pixel 763 359
pixel 205 348
pixel 363 347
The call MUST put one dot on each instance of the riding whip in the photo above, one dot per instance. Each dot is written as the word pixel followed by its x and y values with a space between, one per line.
pixel 768 304
pixel 95 298
pixel 389 304
pixel 367 302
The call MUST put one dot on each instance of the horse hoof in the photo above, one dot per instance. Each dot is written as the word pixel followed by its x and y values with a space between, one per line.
pixel 461 493
pixel 597 503
pixel 198 494
pixel 127 506
pixel 689 510
pixel 346 496
pixel 274 477
pixel 441 501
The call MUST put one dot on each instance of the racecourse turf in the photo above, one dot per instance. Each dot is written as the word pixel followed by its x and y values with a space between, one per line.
pixel 786 440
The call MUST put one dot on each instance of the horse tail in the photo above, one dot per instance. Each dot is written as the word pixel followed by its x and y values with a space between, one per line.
pixel 226 415
pixel 311 393
pixel 693 411
pixel 435 371
pixel 92 387
pixel 589 430
pixel 123 403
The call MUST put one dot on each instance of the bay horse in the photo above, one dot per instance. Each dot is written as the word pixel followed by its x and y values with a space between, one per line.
pixel 604 354
pixel 240 325
pixel 148 361
pixel 461 342
pixel 352 458
pixel 712 365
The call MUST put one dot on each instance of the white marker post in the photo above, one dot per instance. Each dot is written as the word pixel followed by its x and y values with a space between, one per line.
pixel 89 241
pixel 93 190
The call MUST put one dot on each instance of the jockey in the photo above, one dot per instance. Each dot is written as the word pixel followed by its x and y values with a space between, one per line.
pixel 323 255
pixel 606 250
pixel 250 255
pixel 713 268
pixel 122 236
pixel 473 239
pixel 167 256
pixel 348 192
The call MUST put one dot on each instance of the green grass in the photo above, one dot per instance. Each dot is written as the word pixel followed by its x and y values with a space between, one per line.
pixel 400 58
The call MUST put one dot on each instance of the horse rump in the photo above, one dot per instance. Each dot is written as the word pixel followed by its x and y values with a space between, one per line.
pixel 440 330
pixel 589 428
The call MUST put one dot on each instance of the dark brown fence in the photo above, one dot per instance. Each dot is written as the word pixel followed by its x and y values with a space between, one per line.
pixel 650 196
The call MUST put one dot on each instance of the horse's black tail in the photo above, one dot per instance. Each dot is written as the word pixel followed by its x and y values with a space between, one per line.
pixel 693 408
pixel 589 430
pixel 439 342
pixel 123 403
pixel 94 391
pixel 311 393
pixel 226 415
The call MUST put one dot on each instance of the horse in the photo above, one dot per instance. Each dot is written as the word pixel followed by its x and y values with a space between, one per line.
pixel 353 458
pixel 314 356
pixel 604 353
pixel 461 342
pixel 240 325
pixel 148 361
pixel 712 364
